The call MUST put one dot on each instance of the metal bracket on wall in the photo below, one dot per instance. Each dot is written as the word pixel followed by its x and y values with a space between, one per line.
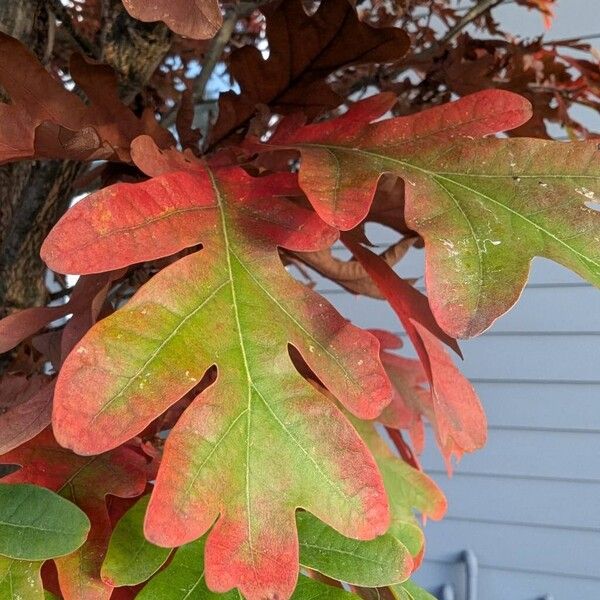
pixel 469 560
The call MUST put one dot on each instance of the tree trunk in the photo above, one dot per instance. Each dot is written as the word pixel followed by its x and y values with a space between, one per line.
pixel 34 194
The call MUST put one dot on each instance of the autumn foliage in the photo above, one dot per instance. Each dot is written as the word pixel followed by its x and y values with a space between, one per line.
pixel 195 417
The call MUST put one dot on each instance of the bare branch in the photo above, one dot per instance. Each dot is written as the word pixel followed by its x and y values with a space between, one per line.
pixel 471 15
pixel 62 14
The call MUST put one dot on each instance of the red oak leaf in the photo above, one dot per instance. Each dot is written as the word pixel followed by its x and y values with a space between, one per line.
pixel 22 324
pixel 25 408
pixel 451 404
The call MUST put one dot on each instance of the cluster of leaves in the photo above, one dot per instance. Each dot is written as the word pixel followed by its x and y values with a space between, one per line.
pixel 284 472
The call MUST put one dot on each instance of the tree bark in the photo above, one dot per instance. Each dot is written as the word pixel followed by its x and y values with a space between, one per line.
pixel 34 194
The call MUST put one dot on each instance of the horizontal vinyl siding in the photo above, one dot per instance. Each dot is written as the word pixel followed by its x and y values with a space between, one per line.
pixel 531 454
pixel 571 553
pixel 501 584
pixel 528 505
pixel 540 502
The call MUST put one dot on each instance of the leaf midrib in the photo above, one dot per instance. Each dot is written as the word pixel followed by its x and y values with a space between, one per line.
pixel 480 260
pixel 297 323
pixel 36 528
pixel 251 386
pixel 235 307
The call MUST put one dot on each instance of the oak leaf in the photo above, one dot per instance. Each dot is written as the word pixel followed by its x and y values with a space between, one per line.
pixel 409 491
pixel 44 120
pixel 20 579
pixel 232 304
pixel 485 207
pixel 350 274
pixel 186 574
pixel 36 524
pixel 22 324
pixel 303 51
pixel 449 403
pixel 25 408
pixel 197 19
pixel 452 404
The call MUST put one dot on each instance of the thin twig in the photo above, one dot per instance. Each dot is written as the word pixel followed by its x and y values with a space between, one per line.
pixel 217 46
pixel 572 40
pixel 62 14
pixel 214 53
pixel 413 60
pixel 219 42
pixel 471 15
pixel 211 59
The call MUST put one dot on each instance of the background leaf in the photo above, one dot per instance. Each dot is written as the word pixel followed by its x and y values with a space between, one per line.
pixel 20 580
pixel 36 524
pixel 409 591
pixel 183 578
pixel 303 51
pixel 311 589
pixel 375 563
pixel 197 19
pixel 85 481
pixel 131 559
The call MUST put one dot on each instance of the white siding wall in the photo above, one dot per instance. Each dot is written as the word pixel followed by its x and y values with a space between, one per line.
pixel 528 505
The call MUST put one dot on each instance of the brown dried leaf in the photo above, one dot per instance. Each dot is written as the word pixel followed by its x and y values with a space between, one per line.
pixel 44 120
pixel 350 274
pixel 197 19
pixel 303 52
pixel 25 408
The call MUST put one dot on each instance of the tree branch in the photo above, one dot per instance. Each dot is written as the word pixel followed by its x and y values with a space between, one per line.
pixel 471 15
pixel 214 53
pixel 62 14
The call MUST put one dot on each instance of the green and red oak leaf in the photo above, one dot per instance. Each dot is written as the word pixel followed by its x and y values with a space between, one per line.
pixel 383 561
pixel 260 441
pixel 408 489
pixel 85 481
pixel 185 577
pixel 484 206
